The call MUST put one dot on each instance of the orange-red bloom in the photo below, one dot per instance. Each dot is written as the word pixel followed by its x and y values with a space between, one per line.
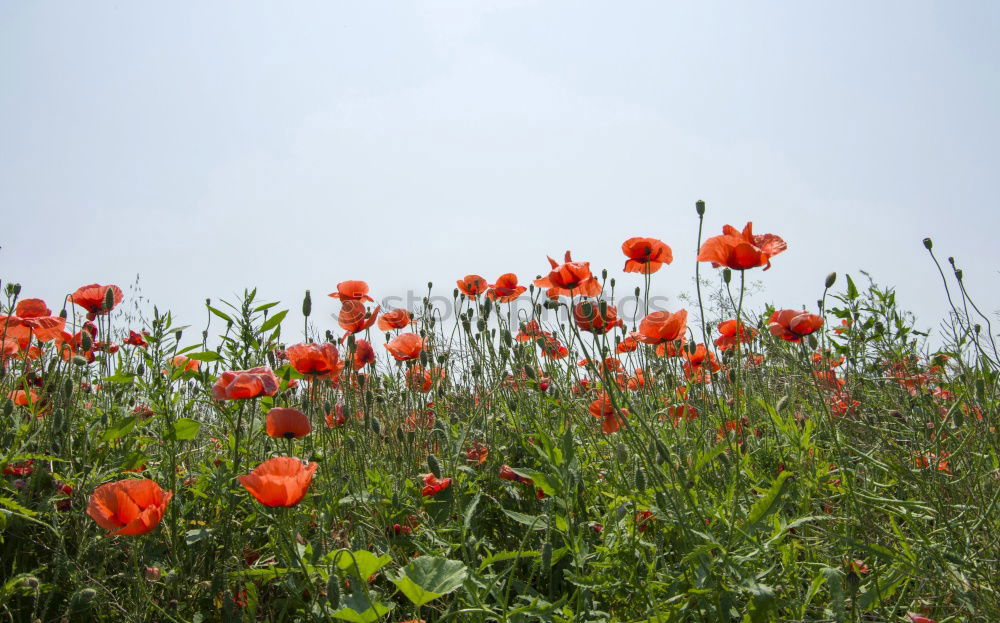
pixel 733 332
pixel 472 285
pixel 31 319
pixel 352 291
pixel 792 325
pixel 598 318
pixel 128 507
pixel 318 359
pixel 244 384
pixel 646 255
pixel 476 455
pixel 364 354
pixel 188 365
pixel 627 345
pixel 611 419
pixel 662 326
pixel 569 279
pixel 278 482
pixel 506 473
pixel 505 289
pixel 395 319
pixel 354 318
pixel 741 250
pixel 406 346
pixel 136 339
pixel 287 423
pixel 92 298
pixel 433 485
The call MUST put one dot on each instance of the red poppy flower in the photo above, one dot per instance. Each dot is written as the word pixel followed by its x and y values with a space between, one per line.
pixel 569 279
pixel 662 326
pixel 314 359
pixel 733 332
pixel 505 289
pixel 603 409
pixel 354 318
pixel 552 348
pixel 628 345
pixel 682 412
pixel 364 354
pixel 792 325
pixel 32 319
pixel 23 398
pixel 279 482
pixel 188 365
pixel 287 423
pixel 433 485
pixel 919 618
pixel 698 362
pixel 395 319
pixel 643 519
pixel 741 250
pixel 352 291
pixel 476 455
pixel 406 346
pixel 472 285
pixel 506 473
pixel 93 297
pixel 136 339
pixel 418 420
pixel 530 330
pixel 640 379
pixel 244 384
pixel 336 419
pixel 646 255
pixel 19 469
pixel 128 507
pixel 598 318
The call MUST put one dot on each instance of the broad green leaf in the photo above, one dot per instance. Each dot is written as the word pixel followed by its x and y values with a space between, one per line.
pixel 273 321
pixel 119 378
pixel 219 314
pixel 363 564
pixel 183 429
pixel 207 356
pixel 119 430
pixel 539 522
pixel 359 607
pixel 426 578
pixel 768 503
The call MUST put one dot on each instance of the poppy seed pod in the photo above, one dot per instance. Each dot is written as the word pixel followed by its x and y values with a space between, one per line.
pixel 307 304
pixel 928 244
pixel 830 280
pixel 699 207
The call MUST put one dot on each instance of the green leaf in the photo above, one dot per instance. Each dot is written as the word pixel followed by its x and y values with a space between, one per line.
pixel 508 555
pixel 362 608
pixel 273 321
pixel 768 503
pixel 363 564
pixel 119 378
pixel 119 430
pixel 539 522
pixel 426 578
pixel 219 314
pixel 207 356
pixel 183 429
pixel 14 506
pixel 852 290
pixel 198 534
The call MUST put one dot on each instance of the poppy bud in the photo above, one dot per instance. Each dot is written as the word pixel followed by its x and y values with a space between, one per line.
pixel 8 407
pixel 177 335
pixel 612 283
pixel 640 479
pixel 430 284
pixel 109 299
pixel 333 590
pixel 307 304
pixel 208 302
pixel 661 500
pixel 376 426
pixel 813 342
pixel 82 598
pixel 329 336
pixel 505 338
pixel 79 360
pixel 727 275
pixel 68 387
pixel 140 370
pixel 86 340
pixel 434 465
pixel 62 313
pixel 454 294
pixel 699 207
pixel 351 341
pixel 830 280
pixel 481 325
pixel 16 289
pixel 958 274
pixel 603 306
pixel 604 273
pixel 637 292
pixel 621 452
pixel 546 559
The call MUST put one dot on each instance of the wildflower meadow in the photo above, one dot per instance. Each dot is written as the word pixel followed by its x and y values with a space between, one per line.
pixel 511 449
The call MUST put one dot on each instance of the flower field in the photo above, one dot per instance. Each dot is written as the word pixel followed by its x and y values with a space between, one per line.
pixel 534 452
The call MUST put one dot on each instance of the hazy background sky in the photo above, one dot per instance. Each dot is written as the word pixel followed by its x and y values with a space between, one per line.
pixel 210 146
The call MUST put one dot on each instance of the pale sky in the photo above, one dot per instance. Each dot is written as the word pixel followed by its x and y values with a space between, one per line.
pixel 211 146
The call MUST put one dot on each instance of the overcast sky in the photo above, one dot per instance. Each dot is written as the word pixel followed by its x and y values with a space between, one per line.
pixel 211 146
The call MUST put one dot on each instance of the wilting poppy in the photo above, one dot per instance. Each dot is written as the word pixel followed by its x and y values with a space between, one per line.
pixel 472 285
pixel 354 318
pixel 662 326
pixel 611 419
pixel 433 485
pixel 136 339
pixel 505 289
pixel 646 255
pixel 598 318
pixel 352 291
pixel 569 279
pixel 741 250
pixel 364 354
pixel 278 482
pixel 406 346
pixel 93 297
pixel 506 473
pixel 287 423
pixel 244 384
pixel 792 325
pixel 314 359
pixel 395 319
pixel 733 332
pixel 476 455
pixel 128 507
